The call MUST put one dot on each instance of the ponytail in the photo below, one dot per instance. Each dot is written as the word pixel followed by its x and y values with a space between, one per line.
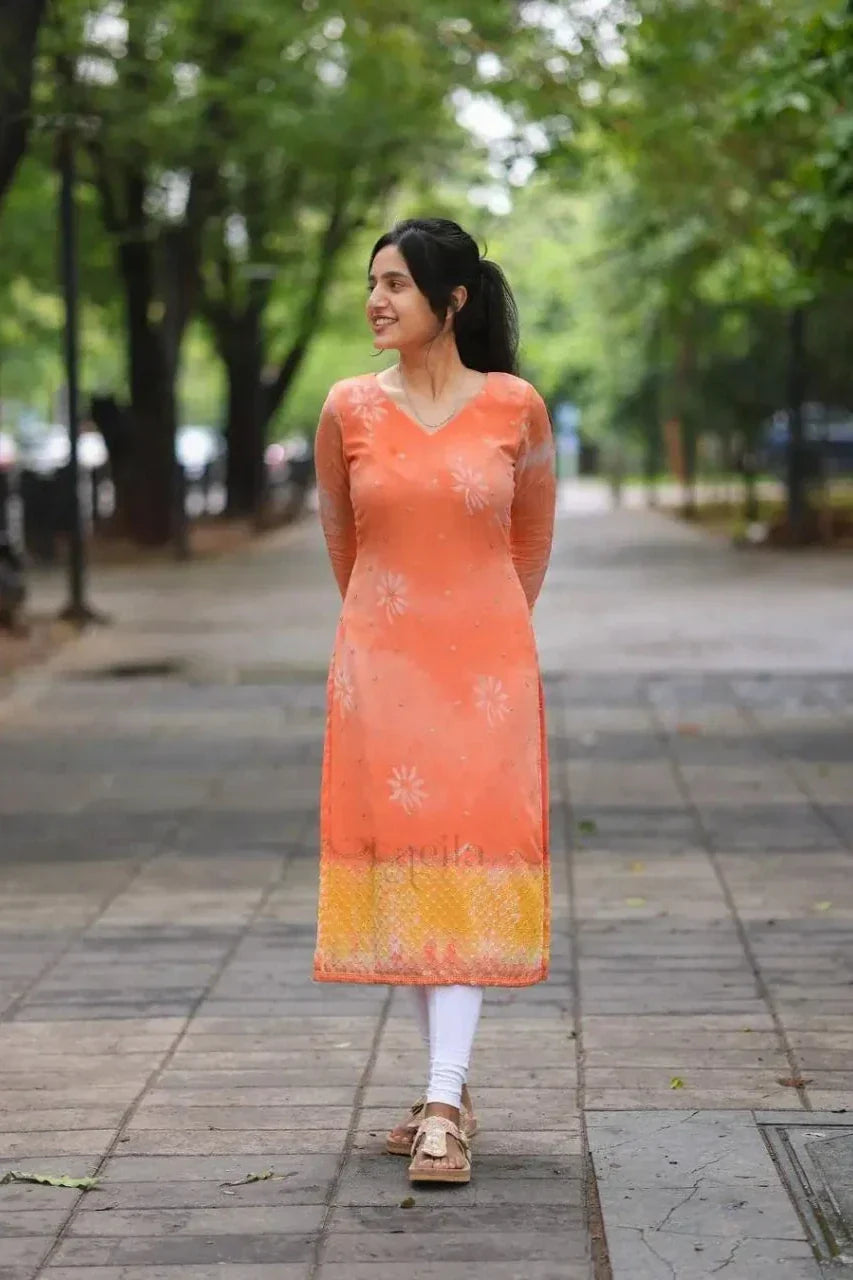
pixel 486 328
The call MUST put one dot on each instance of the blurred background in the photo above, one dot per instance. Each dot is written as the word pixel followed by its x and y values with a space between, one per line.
pixel 668 184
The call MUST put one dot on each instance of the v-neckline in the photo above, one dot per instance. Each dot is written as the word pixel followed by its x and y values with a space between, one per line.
pixel 450 421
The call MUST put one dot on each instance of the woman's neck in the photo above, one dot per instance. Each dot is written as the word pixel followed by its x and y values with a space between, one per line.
pixel 432 371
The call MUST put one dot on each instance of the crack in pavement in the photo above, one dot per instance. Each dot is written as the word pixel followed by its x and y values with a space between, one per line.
pixel 660 1225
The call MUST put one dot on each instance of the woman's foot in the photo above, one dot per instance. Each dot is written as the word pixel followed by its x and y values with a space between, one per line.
pixel 441 1152
pixel 401 1137
pixel 456 1157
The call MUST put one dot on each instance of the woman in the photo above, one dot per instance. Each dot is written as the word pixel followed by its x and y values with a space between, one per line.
pixel 436 487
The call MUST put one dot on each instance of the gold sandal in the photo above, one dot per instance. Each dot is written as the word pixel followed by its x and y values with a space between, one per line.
pixel 403 1146
pixel 431 1140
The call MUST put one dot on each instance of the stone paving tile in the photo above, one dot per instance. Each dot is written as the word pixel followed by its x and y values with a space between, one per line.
pixel 237 1117
pixel 184 1271
pixel 223 1220
pixel 207 1142
pixel 55 1144
pixel 177 1251
pixel 681 1195
pixel 687 1100
pixel 667 1254
pixel 75 1093
pixel 31 1223
pixel 149 1172
pixel 25 1251
pixel 420 1268
pixel 840 1100
pixel 296 1188
pixel 480 1247
pixel 173 1085
pixel 228 1098
pixel 45 1121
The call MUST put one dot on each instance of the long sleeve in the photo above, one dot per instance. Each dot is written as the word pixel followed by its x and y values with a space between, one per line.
pixel 336 513
pixel 534 499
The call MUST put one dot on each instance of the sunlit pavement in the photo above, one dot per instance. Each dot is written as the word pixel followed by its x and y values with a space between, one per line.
pixel 157 888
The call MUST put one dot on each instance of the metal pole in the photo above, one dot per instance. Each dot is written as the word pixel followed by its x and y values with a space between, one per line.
pixel 76 610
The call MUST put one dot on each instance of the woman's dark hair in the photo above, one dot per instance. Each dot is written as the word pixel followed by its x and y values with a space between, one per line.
pixel 441 257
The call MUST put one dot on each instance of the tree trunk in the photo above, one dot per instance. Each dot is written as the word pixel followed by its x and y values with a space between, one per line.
pixel 149 512
pixel 797 479
pixel 688 497
pixel 652 459
pixel 19 26
pixel 750 495
pixel 687 424
pixel 653 450
pixel 241 348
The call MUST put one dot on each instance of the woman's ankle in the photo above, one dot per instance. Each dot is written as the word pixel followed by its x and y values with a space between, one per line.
pixel 444 1109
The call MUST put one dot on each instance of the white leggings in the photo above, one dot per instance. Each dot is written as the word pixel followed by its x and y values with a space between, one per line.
pixel 447 1018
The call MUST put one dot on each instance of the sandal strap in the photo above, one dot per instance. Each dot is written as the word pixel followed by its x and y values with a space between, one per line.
pixel 433 1131
pixel 417 1108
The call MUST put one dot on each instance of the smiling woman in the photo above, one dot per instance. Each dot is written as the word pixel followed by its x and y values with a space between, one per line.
pixel 436 486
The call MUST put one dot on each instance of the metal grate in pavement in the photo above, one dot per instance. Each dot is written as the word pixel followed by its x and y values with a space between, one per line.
pixel 814 1154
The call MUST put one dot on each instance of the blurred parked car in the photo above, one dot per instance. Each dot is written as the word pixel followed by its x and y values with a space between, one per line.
pixel 8 452
pixel 290 459
pixel 201 452
pixel 828 440
pixel 45 447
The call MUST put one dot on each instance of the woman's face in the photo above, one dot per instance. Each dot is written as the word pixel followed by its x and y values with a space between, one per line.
pixel 397 311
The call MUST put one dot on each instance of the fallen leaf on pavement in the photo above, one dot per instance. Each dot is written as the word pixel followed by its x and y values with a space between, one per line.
pixel 793 1082
pixel 676 1083
pixel 637 866
pixel 635 902
pixel 587 827
pixel 254 1177
pixel 689 730
pixel 408 1203
pixel 822 906
pixel 50 1180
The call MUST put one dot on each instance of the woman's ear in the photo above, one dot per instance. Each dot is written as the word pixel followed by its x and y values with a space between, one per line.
pixel 458 298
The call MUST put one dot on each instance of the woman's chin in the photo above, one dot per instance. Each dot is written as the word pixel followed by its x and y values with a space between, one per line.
pixel 384 342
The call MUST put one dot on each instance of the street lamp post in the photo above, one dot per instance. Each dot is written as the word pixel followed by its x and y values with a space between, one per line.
pixel 76 611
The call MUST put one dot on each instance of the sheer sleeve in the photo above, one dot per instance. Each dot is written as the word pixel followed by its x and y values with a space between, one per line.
pixel 336 513
pixel 534 499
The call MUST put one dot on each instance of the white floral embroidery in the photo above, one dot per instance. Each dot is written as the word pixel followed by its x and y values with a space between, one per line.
pixel 367 403
pixel 491 697
pixel 536 455
pixel 407 788
pixel 472 484
pixel 391 590
pixel 343 691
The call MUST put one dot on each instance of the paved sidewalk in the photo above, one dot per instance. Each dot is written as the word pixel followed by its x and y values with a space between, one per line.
pixel 157 888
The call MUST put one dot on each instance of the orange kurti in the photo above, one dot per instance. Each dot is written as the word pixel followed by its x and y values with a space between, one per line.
pixel 434 863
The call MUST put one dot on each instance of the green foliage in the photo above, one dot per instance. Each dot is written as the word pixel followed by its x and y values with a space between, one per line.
pixel 698 184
